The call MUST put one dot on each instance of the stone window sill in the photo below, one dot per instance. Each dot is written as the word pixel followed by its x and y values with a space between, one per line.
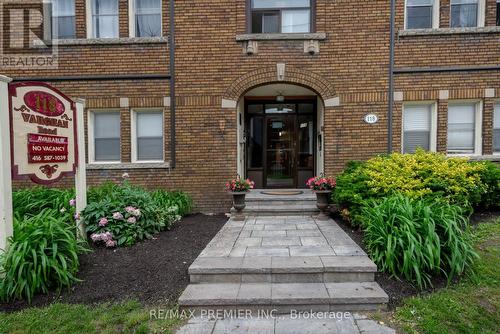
pixel 108 41
pixel 105 166
pixel 449 31
pixel 317 36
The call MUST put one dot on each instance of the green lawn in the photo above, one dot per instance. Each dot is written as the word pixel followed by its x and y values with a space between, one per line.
pixel 128 317
pixel 472 306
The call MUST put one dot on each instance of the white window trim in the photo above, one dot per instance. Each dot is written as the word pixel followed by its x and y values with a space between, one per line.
pixel 435 16
pixel 133 134
pixel 131 19
pixel 90 21
pixel 90 135
pixel 481 13
pixel 434 120
pixel 495 102
pixel 478 128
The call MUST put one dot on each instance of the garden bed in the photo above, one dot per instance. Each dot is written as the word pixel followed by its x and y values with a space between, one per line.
pixel 152 271
pixel 400 289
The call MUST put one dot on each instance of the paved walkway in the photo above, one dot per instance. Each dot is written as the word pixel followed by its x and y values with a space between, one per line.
pixel 356 324
pixel 280 236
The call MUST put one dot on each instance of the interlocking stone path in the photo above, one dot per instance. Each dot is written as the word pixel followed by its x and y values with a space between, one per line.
pixel 289 236
pixel 286 324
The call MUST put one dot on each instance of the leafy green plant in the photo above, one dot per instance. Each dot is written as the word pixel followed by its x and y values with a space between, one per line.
pixel 43 253
pixel 124 214
pixel 415 239
pixel 31 201
pixel 490 177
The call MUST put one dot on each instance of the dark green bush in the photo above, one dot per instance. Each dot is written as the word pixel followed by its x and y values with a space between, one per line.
pixel 415 239
pixel 43 254
pixel 490 177
pixel 124 214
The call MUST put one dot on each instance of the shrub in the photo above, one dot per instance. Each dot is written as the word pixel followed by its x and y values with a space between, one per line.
pixel 422 175
pixel 43 253
pixel 31 201
pixel 124 214
pixel 414 238
pixel 490 177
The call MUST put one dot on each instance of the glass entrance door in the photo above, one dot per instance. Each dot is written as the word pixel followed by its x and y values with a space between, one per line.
pixel 280 151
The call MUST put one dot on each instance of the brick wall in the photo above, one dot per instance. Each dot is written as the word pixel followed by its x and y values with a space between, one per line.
pixel 210 64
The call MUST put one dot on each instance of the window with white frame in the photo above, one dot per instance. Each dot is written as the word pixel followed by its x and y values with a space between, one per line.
pixel 280 16
pixel 419 127
pixel 464 127
pixel 496 128
pixel 145 18
pixel 104 16
pixel 466 13
pixel 63 19
pixel 105 140
pixel 147 133
pixel 422 14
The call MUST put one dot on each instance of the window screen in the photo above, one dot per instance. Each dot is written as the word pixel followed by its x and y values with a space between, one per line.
pixel 63 19
pixel 417 128
pixel 461 128
pixel 148 18
pixel 105 18
pixel 464 13
pixel 280 16
pixel 419 14
pixel 149 130
pixel 107 136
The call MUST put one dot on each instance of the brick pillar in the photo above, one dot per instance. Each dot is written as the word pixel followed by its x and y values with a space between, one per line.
pixel 125 134
pixel 81 19
pixel 123 18
pixel 488 126
pixel 444 13
pixel 442 126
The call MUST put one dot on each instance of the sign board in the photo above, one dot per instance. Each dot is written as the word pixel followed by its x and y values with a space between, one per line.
pixel 371 118
pixel 43 132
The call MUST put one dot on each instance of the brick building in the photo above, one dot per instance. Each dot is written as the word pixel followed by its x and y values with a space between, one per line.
pixel 276 90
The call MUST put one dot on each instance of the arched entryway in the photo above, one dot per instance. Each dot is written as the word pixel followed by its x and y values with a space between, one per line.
pixel 280 135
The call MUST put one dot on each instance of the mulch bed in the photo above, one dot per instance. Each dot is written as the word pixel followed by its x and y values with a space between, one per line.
pixel 397 289
pixel 152 271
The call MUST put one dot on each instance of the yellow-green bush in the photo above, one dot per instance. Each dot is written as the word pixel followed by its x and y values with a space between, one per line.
pixel 421 175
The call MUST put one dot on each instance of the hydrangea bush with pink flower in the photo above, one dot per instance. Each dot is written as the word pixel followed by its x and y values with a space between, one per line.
pixel 122 215
pixel 321 183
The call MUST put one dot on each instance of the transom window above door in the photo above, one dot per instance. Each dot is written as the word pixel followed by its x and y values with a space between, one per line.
pixel 280 16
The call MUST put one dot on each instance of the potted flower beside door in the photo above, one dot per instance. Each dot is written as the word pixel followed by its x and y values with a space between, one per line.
pixel 238 188
pixel 323 187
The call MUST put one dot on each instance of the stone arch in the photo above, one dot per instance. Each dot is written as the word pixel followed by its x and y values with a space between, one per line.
pixel 280 74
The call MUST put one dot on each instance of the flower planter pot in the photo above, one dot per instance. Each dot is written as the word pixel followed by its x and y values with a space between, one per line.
pixel 238 204
pixel 322 197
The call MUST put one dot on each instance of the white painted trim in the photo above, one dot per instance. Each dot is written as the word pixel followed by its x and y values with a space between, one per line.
pixel 478 126
pixel 496 106
pixel 435 15
pixel 88 12
pixel 6 227
pixel 81 172
pixel 47 19
pixel 320 122
pixel 333 102
pixel 240 138
pixel 133 135
pixel 433 128
pixel 230 104
pixel 90 135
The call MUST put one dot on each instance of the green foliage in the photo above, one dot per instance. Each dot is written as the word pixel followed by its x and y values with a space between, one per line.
pixel 469 307
pixel 124 317
pixel 43 253
pixel 31 201
pixel 131 213
pixel 414 238
pixel 422 175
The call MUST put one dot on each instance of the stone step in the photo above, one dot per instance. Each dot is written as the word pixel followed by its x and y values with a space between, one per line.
pixel 306 269
pixel 267 203
pixel 284 297
pixel 283 210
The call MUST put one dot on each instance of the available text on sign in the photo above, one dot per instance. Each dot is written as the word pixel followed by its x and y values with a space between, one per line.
pixel 43 133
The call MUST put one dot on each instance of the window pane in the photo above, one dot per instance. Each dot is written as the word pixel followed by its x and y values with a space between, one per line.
pixel 105 18
pixel 295 21
pixel 306 141
pixel 461 128
pixel 280 3
pixel 107 149
pixel 255 142
pixel 63 19
pixel 306 108
pixel 270 23
pixel 255 108
pixel 107 125
pixel 413 3
pixel 464 15
pixel 498 13
pixel 150 148
pixel 279 108
pixel 419 17
pixel 149 124
pixel 417 125
pixel 148 18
